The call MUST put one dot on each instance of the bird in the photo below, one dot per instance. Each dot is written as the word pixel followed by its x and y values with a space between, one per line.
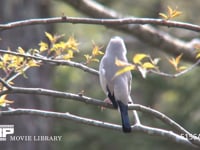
pixel 117 88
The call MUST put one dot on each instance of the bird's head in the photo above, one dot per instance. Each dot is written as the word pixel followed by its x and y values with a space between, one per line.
pixel 116 47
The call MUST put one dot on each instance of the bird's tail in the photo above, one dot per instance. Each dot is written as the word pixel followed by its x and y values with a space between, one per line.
pixel 124 116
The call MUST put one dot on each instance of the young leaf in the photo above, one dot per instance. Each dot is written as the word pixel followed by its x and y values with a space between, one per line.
pixel 4 101
pixel 124 70
pixel 20 50
pixel 96 51
pixel 178 58
pixel 120 63
pixel 69 55
pixel 164 16
pixel 33 63
pixel 175 61
pixel 43 46
pixel 148 65
pixel 198 56
pixel 72 43
pixel 181 68
pixel 171 13
pixel 50 37
pixel 139 57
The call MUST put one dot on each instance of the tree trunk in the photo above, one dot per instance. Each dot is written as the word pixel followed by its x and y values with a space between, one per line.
pixel 27 37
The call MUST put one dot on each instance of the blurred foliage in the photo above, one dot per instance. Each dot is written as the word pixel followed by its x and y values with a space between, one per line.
pixel 178 97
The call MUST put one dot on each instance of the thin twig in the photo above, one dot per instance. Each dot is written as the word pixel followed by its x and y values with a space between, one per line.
pixel 177 74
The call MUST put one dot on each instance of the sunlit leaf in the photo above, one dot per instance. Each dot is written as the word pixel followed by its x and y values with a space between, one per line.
pixel 124 70
pixel 50 37
pixel 178 58
pixel 4 101
pixel 169 10
pixel 33 63
pixel 164 16
pixel 148 65
pixel 87 56
pixel 72 43
pixel 7 57
pixel 171 13
pixel 20 50
pixel 181 68
pixel 96 51
pixel 120 63
pixel 139 57
pixel 198 55
pixel 175 61
pixel 95 59
pixel 176 14
pixel 43 46
pixel 69 55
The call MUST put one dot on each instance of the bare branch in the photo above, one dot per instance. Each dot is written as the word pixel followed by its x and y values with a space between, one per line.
pixel 136 128
pixel 117 22
pixel 175 126
pixel 177 74
pixel 148 34
pixel 5 84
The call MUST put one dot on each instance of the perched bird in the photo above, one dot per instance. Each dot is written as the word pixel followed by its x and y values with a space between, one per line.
pixel 117 88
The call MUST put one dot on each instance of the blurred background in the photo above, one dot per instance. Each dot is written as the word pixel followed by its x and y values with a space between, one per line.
pixel 178 98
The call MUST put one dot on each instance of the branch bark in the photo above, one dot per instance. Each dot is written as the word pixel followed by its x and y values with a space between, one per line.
pixel 135 128
pixel 146 34
pixel 38 91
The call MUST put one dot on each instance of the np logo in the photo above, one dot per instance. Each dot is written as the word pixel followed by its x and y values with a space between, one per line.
pixel 6 130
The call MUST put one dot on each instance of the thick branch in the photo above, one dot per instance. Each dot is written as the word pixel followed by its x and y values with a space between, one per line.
pixel 176 127
pixel 137 128
pixel 147 34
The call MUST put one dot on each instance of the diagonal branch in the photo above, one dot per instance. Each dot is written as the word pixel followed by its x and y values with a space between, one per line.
pixel 175 126
pixel 137 128
pixel 53 61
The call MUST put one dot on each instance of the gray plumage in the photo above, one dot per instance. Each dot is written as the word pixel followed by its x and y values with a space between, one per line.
pixel 118 88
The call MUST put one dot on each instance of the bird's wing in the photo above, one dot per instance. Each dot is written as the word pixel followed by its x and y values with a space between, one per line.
pixel 102 76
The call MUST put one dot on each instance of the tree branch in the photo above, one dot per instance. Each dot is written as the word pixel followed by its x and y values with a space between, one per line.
pixel 176 127
pixel 53 61
pixel 136 128
pixel 116 22
pixel 146 34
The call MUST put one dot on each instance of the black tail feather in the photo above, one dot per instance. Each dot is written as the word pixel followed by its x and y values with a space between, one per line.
pixel 124 116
